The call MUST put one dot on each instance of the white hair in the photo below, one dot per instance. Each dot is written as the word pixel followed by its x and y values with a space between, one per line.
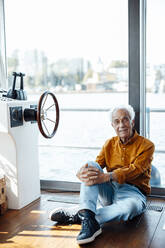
pixel 128 108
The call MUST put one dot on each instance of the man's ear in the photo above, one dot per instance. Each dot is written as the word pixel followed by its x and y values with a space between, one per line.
pixel 133 123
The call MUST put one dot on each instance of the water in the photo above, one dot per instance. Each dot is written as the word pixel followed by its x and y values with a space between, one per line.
pixel 60 159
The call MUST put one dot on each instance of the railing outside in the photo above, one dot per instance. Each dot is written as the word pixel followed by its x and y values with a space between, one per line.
pixel 148 111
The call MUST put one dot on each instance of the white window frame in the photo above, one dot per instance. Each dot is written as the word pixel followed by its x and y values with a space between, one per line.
pixel 3 61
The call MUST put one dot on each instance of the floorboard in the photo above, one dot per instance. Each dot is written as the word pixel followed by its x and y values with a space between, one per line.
pixel 31 228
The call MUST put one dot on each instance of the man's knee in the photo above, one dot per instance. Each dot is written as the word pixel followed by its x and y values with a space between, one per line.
pixel 94 164
pixel 129 209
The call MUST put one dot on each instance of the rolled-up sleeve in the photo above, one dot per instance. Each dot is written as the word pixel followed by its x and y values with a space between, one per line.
pixel 100 159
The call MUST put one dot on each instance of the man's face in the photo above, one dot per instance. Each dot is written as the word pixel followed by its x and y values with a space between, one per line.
pixel 122 124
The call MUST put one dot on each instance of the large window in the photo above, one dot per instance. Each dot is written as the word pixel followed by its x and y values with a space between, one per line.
pixel 78 50
pixel 156 81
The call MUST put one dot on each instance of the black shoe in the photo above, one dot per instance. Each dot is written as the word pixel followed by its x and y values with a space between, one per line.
pixel 64 216
pixel 90 227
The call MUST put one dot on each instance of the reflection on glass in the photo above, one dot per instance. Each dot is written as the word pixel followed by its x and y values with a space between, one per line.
pixel 79 51
pixel 156 81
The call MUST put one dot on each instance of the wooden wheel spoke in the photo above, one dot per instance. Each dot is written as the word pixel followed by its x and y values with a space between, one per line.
pixel 44 102
pixel 45 127
pixel 50 107
pixel 50 120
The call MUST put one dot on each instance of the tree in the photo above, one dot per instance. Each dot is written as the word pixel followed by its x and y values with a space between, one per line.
pixel 119 64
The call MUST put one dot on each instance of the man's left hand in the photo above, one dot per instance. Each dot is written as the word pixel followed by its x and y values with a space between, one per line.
pixel 98 178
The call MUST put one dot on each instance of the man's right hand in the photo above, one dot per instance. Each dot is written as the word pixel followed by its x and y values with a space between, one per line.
pixel 85 172
pixel 90 175
pixel 82 173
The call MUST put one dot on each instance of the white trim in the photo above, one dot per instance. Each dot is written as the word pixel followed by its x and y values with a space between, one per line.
pixel 3 65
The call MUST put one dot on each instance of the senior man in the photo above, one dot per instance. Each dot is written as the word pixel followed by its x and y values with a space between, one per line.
pixel 122 189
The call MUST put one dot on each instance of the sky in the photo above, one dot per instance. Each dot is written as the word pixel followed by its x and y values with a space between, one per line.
pixel 155 31
pixel 68 27
pixel 88 28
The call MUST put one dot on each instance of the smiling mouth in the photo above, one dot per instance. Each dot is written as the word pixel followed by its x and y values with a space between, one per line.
pixel 124 130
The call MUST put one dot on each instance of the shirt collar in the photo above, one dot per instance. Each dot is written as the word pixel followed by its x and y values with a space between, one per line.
pixel 131 140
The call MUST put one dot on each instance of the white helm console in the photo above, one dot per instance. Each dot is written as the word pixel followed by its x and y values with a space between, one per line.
pixel 20 123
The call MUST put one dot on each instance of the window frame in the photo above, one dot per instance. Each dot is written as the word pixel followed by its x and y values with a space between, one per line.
pixel 137 69
pixel 3 60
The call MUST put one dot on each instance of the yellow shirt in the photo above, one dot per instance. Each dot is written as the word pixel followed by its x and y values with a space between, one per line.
pixel 131 162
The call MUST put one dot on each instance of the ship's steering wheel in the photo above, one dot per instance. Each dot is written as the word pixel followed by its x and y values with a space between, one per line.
pixel 46 114
pixel 45 107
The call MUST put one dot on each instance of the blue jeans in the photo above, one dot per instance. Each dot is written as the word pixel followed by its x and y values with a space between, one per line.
pixel 119 201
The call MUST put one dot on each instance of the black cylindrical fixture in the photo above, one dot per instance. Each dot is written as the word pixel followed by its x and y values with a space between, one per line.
pixel 30 114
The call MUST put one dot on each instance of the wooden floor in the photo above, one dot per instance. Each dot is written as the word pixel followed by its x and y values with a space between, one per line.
pixel 31 228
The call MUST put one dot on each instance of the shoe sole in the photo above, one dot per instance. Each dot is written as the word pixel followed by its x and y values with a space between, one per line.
pixel 88 240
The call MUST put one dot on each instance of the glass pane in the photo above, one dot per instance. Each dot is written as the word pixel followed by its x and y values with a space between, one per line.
pixel 79 51
pixel 156 82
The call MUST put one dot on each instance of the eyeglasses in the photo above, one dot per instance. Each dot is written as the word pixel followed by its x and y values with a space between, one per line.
pixel 124 120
